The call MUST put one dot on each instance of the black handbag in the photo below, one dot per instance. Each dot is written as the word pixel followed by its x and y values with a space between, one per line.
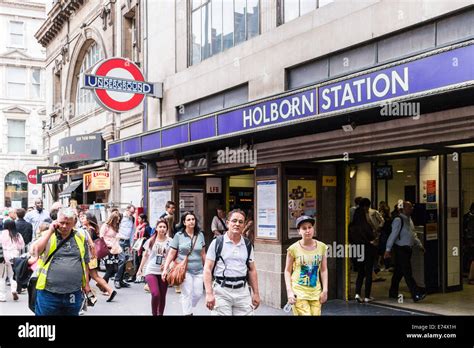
pixel 34 279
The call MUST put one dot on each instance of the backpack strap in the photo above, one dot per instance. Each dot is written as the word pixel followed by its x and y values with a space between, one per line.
pixel 249 246
pixel 218 250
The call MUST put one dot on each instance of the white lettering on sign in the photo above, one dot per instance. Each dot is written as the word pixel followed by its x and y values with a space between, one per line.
pixel 66 150
pixel 268 113
pixel 381 86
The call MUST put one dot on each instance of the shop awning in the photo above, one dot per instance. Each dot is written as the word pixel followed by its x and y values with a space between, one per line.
pixel 71 188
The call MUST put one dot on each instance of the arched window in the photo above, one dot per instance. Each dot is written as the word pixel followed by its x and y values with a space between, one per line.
pixel 16 190
pixel 85 101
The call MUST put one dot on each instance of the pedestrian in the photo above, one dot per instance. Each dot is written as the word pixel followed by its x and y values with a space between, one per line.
pixel 125 234
pixel 306 272
pixel 38 215
pixel 170 211
pixel 189 242
pixel 384 234
pixel 23 227
pixel 152 265
pixel 401 240
pixel 142 233
pixel 362 236
pixel 61 280
pixel 12 244
pixel 354 207
pixel 230 261
pixel 80 214
pixel 218 225
pixel 90 225
pixel 249 229
pixel 12 214
pixel 108 232
pixel 375 220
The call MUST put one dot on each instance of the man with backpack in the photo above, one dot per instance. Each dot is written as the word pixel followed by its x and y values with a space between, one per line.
pixel 402 239
pixel 230 262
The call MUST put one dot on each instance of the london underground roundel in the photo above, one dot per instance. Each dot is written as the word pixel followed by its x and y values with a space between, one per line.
pixel 118 84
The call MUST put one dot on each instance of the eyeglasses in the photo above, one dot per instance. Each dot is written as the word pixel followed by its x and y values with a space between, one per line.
pixel 235 221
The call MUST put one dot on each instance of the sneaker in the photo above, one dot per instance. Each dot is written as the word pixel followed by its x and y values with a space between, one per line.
pixel 15 296
pixel 368 299
pixel 81 312
pixel 117 285
pixel 419 297
pixel 178 289
pixel 124 285
pixel 358 298
pixel 378 279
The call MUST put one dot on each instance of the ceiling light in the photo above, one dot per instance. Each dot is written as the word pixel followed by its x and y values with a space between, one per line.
pixel 399 153
pixel 400 171
pixel 461 145
pixel 334 160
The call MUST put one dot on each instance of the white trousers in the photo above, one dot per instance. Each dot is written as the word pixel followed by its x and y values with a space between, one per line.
pixel 232 301
pixel 6 270
pixel 191 292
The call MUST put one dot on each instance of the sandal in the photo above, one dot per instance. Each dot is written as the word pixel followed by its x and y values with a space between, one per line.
pixel 112 295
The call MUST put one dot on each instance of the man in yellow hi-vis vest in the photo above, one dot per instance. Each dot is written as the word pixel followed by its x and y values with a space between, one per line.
pixel 61 279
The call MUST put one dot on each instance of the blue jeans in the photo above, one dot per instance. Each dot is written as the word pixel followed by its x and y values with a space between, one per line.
pixel 123 257
pixel 48 303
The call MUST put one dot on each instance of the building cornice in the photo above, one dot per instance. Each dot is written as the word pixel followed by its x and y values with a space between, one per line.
pixel 57 16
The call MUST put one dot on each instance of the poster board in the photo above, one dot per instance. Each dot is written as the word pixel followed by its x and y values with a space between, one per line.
pixel 267 209
pixel 156 204
pixel 301 201
pixel 192 200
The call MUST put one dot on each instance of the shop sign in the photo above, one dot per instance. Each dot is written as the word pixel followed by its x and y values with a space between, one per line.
pixel 279 110
pixel 213 185
pixel 41 171
pixel 329 181
pixel 80 148
pixel 54 178
pixel 118 84
pixel 435 73
pixel 96 181
pixel 429 73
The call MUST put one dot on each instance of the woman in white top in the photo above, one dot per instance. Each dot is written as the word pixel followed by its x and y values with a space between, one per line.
pixel 156 249
pixel 12 243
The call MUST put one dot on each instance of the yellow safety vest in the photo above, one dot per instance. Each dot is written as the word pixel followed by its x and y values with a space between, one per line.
pixel 43 269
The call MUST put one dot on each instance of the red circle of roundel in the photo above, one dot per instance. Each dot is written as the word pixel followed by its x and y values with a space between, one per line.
pixel 120 63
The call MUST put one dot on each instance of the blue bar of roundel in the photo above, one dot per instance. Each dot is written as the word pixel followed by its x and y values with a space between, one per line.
pixel 280 110
pixel 131 146
pixel 115 150
pixel 174 136
pixel 151 141
pixel 202 129
pixel 436 71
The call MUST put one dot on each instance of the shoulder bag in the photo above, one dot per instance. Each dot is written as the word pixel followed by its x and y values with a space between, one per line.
pixel 177 273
